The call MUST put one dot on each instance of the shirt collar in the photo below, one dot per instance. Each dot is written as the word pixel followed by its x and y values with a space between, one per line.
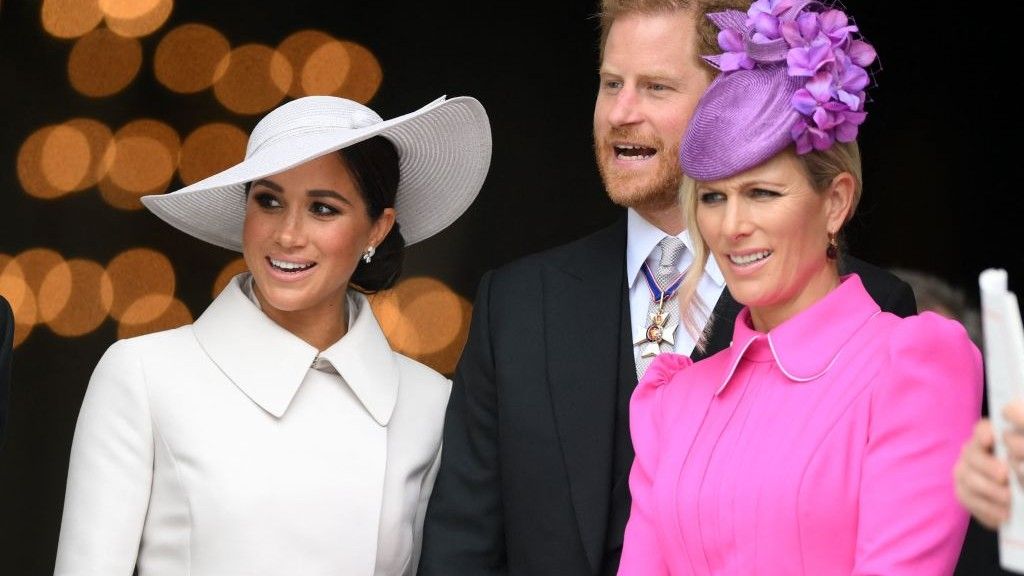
pixel 268 363
pixel 808 344
pixel 642 237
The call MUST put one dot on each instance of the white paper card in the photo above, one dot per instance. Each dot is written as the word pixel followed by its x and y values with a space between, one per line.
pixel 1004 371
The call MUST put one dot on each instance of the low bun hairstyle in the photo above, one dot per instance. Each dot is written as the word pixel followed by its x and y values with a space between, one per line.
pixel 373 164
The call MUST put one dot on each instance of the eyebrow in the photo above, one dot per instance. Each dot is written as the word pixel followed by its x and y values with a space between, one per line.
pixel 745 185
pixel 328 194
pixel 318 193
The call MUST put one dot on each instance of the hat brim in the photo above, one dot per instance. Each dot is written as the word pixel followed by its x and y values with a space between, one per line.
pixel 743 119
pixel 444 150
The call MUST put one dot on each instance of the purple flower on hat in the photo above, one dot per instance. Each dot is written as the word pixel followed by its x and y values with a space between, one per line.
pixel 801 31
pixel 825 60
pixel 862 53
pixel 735 55
pixel 808 60
pixel 763 18
pixel 816 92
pixel 809 138
pixel 836 25
pixel 850 81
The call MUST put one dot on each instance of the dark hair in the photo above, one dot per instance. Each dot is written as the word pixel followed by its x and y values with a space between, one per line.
pixel 373 165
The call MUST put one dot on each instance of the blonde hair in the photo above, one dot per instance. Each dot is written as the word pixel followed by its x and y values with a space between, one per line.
pixel 820 167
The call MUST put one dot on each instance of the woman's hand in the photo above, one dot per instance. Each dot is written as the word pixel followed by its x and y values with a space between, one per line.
pixel 982 480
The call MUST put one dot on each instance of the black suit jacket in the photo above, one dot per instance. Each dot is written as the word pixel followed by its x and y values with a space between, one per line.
pixel 6 343
pixel 526 479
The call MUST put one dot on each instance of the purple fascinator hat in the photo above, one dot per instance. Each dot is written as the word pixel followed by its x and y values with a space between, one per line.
pixel 793 72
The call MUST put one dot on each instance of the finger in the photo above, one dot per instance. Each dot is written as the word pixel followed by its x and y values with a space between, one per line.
pixel 985 500
pixel 977 461
pixel 984 435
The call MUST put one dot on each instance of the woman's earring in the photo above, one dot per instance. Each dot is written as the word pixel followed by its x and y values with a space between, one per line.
pixel 832 252
pixel 368 254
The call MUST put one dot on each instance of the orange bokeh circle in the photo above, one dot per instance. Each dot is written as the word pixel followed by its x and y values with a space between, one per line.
pixel 141 160
pixel 298 48
pixel 90 290
pixel 139 273
pixel 210 149
pixel 63 158
pixel 135 18
pixel 234 268
pixel 364 75
pixel 38 264
pixel 326 70
pixel 103 63
pixel 30 172
pixel 70 18
pixel 253 79
pixel 15 288
pixel 420 316
pixel 187 58
pixel 141 317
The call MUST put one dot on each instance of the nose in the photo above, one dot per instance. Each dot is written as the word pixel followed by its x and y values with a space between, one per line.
pixel 626 108
pixel 735 220
pixel 291 231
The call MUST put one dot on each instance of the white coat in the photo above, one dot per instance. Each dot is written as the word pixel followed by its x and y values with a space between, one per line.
pixel 214 450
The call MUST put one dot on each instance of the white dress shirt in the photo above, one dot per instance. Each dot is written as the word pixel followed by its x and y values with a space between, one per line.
pixel 215 450
pixel 642 239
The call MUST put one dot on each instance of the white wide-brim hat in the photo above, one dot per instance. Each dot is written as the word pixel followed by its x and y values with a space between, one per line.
pixel 444 151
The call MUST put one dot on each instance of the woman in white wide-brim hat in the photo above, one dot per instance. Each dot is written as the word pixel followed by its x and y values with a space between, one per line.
pixel 279 433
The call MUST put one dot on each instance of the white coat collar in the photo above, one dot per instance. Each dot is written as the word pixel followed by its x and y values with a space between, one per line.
pixel 268 363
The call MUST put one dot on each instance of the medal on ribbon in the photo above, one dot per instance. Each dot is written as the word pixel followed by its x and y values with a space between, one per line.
pixel 662 327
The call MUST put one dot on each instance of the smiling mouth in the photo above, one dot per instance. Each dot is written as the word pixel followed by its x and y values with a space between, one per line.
pixel 748 259
pixel 633 152
pixel 286 266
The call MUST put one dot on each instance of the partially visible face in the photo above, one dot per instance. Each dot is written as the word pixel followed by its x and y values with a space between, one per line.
pixel 305 230
pixel 768 230
pixel 650 84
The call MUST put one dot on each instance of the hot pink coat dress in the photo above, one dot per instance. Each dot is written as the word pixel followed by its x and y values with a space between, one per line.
pixel 824 447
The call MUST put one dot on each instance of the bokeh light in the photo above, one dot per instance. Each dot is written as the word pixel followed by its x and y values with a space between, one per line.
pixel 298 48
pixel 56 160
pixel 234 268
pixel 326 70
pixel 139 318
pixel 39 264
pixel 91 292
pixel 65 158
pixel 103 63
pixel 210 149
pixel 70 18
pixel 364 75
pixel 424 319
pixel 19 295
pixel 143 158
pixel 135 18
pixel 187 58
pixel 30 170
pixel 99 137
pixel 137 274
pixel 253 79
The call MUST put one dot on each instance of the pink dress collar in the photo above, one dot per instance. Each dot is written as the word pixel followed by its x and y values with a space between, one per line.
pixel 808 344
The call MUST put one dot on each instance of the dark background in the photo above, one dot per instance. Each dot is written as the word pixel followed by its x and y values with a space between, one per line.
pixel 937 176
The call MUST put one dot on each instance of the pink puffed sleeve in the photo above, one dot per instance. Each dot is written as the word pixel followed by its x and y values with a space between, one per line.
pixel 922 410
pixel 641 550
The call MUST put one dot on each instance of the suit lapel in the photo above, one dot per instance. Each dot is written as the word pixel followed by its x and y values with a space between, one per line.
pixel 582 305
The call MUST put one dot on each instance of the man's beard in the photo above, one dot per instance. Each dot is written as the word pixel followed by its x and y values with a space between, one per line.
pixel 646 191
